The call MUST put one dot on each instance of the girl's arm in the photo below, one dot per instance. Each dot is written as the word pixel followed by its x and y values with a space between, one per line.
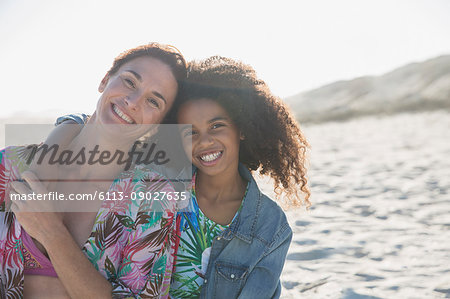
pixel 264 280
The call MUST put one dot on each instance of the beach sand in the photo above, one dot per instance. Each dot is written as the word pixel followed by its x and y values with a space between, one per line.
pixel 379 226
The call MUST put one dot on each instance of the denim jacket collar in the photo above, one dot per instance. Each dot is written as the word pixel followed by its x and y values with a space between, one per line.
pixel 245 223
pixel 243 227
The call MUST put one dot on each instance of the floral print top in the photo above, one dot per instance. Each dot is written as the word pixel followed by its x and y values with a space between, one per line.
pixel 196 233
pixel 131 243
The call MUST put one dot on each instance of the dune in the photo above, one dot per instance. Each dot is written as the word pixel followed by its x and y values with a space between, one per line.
pixel 421 86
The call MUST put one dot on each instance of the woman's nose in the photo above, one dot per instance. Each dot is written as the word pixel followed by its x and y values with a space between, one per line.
pixel 132 102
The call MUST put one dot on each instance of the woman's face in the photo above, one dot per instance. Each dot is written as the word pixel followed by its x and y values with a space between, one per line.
pixel 215 138
pixel 141 92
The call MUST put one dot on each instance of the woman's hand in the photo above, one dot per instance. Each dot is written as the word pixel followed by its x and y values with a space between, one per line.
pixel 78 276
pixel 38 217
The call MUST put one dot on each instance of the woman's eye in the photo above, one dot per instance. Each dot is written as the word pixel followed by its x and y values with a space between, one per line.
pixel 153 102
pixel 129 83
pixel 216 126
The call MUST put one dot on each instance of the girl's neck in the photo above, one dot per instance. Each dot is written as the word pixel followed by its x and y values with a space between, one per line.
pixel 222 187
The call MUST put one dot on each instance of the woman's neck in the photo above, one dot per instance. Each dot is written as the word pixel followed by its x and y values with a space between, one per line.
pixel 99 150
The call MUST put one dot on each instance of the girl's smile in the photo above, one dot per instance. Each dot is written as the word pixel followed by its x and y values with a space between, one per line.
pixel 215 138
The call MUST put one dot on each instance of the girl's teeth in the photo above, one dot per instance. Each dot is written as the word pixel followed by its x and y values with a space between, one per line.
pixel 122 116
pixel 210 157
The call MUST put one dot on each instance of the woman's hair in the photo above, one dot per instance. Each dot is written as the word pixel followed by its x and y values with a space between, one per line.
pixel 273 141
pixel 165 53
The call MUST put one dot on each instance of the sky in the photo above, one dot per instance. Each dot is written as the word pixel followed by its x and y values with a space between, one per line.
pixel 53 54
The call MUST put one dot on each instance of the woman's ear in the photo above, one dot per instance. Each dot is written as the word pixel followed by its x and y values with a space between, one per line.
pixel 103 84
pixel 241 136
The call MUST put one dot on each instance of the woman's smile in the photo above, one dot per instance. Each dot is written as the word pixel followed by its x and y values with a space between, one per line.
pixel 122 115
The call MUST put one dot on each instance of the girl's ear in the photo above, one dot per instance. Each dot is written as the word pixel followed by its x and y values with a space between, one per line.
pixel 103 84
pixel 241 136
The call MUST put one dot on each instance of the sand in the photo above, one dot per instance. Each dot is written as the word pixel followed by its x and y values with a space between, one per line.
pixel 380 222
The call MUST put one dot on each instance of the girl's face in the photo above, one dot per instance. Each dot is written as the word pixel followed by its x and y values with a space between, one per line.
pixel 141 92
pixel 215 138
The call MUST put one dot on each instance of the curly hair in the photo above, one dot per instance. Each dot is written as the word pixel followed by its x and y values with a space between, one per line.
pixel 273 142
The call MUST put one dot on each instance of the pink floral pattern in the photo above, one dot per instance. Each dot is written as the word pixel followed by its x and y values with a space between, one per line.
pixel 131 244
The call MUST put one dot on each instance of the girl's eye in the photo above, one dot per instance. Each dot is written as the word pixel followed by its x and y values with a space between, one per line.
pixel 153 102
pixel 218 125
pixel 129 83
pixel 188 133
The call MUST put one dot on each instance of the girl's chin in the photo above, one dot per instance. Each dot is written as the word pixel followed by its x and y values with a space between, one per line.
pixel 209 170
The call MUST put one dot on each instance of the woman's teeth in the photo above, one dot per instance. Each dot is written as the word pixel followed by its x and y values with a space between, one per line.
pixel 122 116
pixel 210 157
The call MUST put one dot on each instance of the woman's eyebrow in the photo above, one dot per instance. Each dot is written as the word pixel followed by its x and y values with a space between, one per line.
pixel 135 74
pixel 157 94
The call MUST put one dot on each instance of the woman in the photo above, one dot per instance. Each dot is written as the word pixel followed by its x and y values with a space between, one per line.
pixel 234 239
pixel 126 250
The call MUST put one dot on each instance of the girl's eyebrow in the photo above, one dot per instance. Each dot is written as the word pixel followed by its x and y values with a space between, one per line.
pixel 187 126
pixel 218 118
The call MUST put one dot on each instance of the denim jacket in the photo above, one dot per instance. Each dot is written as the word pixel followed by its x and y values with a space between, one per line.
pixel 247 259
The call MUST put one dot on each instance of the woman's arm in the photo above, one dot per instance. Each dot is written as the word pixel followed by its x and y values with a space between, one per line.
pixel 76 273
pixel 146 253
pixel 264 280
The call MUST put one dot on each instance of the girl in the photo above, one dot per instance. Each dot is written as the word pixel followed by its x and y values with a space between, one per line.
pixel 233 239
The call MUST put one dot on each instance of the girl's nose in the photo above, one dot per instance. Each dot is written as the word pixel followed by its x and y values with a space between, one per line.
pixel 205 139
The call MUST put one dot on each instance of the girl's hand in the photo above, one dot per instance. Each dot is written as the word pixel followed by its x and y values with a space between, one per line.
pixel 37 217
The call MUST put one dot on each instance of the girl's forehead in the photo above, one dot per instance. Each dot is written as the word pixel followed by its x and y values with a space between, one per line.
pixel 200 108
